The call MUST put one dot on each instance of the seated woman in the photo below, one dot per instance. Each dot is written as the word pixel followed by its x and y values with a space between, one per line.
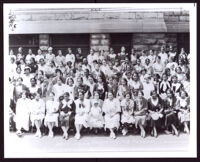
pixel 82 110
pixel 96 119
pixel 127 106
pixel 170 114
pixel 67 114
pixel 183 106
pixel 155 112
pixel 37 113
pixel 51 118
pixel 111 108
pixel 22 113
pixel 140 113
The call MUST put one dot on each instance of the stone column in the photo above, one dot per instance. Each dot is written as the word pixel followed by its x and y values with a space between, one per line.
pixel 44 42
pixel 100 42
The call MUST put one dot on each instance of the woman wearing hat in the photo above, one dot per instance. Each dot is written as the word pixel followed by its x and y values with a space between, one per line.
pixel 96 119
pixel 50 56
pixel 155 109
pixel 66 114
pixel 111 108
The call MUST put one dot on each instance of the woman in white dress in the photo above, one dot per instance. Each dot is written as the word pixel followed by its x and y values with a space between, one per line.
pixel 127 106
pixel 82 110
pixel 96 119
pixel 37 113
pixel 183 106
pixel 51 118
pixel 158 66
pixel 111 108
pixel 22 113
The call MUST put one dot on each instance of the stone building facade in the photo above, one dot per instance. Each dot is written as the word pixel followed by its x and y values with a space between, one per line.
pixel 99 29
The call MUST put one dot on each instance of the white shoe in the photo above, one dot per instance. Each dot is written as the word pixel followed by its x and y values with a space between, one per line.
pixel 66 136
pixel 51 135
pixel 39 134
pixel 124 132
pixel 77 136
pixel 36 134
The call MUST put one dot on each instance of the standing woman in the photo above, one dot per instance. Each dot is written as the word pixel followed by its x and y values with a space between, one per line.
pixel 127 106
pixel 100 87
pixel 183 106
pixel 67 114
pixel 170 115
pixel 37 113
pixel 122 89
pixel 155 112
pixel 51 118
pixel 140 112
pixel 136 83
pixel 22 113
pixel 111 86
pixel 111 108
pixel 70 87
pixel 82 110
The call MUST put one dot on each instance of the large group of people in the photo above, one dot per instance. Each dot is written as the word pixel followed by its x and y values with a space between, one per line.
pixel 146 91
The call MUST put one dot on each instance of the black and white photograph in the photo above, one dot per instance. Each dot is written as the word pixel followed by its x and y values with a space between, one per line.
pixel 91 80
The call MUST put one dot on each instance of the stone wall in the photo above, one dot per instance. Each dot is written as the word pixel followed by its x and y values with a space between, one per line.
pixel 99 42
pixel 153 41
pixel 68 21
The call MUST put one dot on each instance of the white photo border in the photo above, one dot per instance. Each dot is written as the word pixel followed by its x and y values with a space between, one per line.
pixel 191 7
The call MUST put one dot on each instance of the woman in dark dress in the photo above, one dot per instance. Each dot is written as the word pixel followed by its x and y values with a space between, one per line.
pixel 155 109
pixel 67 113
pixel 170 114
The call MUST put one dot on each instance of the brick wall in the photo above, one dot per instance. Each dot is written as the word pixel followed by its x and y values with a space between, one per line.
pixel 153 41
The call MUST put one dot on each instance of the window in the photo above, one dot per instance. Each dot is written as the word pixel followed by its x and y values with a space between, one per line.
pixel 26 41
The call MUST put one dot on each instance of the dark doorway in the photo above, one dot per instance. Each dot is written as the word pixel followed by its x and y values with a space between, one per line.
pixel 73 41
pixel 26 41
pixel 183 41
pixel 121 39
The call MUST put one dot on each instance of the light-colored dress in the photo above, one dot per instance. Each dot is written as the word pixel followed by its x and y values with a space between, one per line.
pixel 82 110
pixel 52 112
pixel 96 119
pixel 37 110
pixel 111 110
pixel 184 113
pixel 127 111
pixel 23 114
